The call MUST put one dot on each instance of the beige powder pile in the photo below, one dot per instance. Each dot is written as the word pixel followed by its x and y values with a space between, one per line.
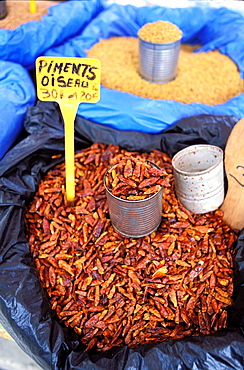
pixel 19 12
pixel 209 78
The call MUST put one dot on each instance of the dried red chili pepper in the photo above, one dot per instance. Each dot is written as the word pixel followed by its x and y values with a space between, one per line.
pixel 113 290
pixel 134 179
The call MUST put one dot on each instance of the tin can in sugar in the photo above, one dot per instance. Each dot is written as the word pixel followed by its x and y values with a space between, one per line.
pixel 158 63
pixel 199 177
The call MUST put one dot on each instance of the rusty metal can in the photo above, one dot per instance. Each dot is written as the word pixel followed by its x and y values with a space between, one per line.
pixel 135 218
pixel 199 177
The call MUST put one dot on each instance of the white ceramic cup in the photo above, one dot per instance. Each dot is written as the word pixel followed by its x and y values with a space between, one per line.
pixel 199 177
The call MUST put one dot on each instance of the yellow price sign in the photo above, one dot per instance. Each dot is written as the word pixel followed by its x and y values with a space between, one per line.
pixel 69 82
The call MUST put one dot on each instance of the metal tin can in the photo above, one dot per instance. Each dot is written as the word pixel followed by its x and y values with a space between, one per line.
pixel 199 177
pixel 135 218
pixel 158 62
pixel 3 9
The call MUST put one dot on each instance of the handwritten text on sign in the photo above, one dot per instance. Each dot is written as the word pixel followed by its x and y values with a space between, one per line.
pixel 69 82
pixel 68 79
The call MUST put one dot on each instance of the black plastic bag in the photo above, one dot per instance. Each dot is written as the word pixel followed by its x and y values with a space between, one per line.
pixel 24 307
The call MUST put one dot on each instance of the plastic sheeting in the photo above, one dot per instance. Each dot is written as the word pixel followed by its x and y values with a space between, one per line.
pixel 18 51
pixel 24 309
pixel 72 27
pixel 32 39
pixel 16 94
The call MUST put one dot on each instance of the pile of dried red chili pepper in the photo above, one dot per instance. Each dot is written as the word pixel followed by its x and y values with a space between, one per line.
pixel 114 290
pixel 134 179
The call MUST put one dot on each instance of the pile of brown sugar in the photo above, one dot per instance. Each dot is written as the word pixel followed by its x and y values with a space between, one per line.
pixel 19 12
pixel 160 32
pixel 208 78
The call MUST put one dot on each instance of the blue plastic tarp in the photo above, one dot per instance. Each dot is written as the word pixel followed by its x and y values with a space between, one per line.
pixel 72 27
pixel 19 49
pixel 16 94
pixel 32 39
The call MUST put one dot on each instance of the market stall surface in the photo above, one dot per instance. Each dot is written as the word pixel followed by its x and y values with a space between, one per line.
pixel 12 357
